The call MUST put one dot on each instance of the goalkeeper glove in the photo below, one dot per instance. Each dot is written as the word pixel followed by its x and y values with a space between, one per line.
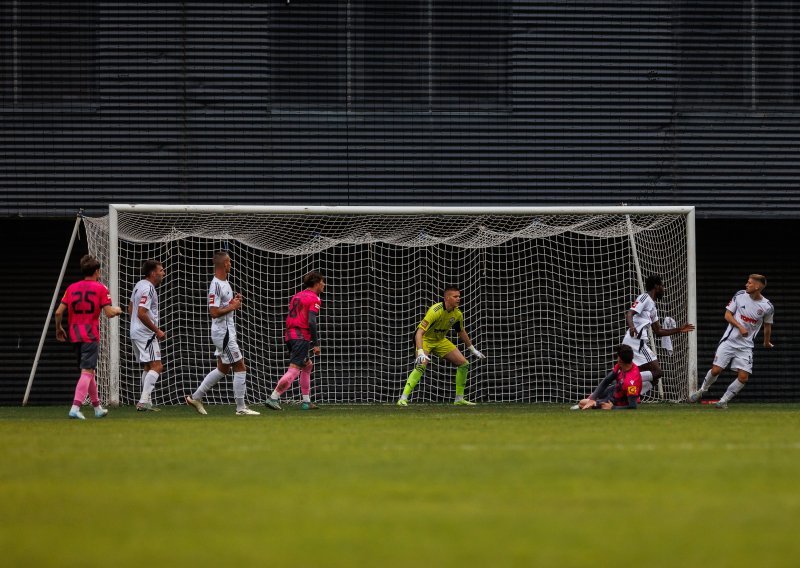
pixel 421 357
pixel 477 353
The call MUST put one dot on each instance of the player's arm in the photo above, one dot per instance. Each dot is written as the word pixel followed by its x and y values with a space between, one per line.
pixel 111 311
pixel 603 386
pixel 768 335
pixel 144 317
pixel 629 320
pixel 661 332
pixel 130 308
pixel 61 335
pixel 233 305
pixel 731 319
pixel 468 342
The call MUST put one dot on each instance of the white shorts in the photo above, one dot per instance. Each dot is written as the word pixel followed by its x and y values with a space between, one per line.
pixel 739 358
pixel 146 350
pixel 641 352
pixel 227 349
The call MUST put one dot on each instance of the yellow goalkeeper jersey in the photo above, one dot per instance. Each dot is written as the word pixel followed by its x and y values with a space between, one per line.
pixel 438 321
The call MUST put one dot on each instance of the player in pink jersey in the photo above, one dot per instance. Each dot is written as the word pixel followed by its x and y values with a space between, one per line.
pixel 620 389
pixel 83 301
pixel 302 340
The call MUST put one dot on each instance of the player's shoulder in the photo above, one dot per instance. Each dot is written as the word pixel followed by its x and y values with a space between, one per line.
pixel 437 307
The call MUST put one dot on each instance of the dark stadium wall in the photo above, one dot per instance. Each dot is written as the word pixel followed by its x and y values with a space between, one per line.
pixel 722 268
pixel 354 102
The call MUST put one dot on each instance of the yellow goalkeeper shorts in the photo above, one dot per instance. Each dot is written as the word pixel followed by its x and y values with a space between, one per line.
pixel 439 348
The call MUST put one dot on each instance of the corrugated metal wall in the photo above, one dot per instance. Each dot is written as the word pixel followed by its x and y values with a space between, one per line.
pixel 356 101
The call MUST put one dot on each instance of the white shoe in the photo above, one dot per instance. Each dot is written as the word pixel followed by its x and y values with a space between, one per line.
pixel 77 414
pixel 100 412
pixel 722 405
pixel 696 396
pixel 198 405
pixel 247 412
pixel 575 407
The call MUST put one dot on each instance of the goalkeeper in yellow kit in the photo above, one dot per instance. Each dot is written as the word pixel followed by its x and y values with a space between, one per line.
pixel 430 338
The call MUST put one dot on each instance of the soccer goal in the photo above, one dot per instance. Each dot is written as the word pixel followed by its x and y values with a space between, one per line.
pixel 544 294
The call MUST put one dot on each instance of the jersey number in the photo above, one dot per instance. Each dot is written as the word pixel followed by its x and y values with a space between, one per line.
pixel 83 297
pixel 293 308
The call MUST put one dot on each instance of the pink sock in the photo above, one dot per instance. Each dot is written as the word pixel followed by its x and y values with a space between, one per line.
pixel 287 380
pixel 93 392
pixel 83 388
pixel 305 378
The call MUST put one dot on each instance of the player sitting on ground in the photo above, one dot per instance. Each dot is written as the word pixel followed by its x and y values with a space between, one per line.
pixel 620 389
pixel 430 338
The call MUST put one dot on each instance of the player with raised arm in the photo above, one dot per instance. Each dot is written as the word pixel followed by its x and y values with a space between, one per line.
pixel 301 337
pixel 745 314
pixel 430 338
pixel 620 389
pixel 145 333
pixel 222 303
pixel 83 302
pixel 641 316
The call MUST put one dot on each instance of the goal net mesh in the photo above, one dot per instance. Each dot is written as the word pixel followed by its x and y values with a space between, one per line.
pixel 544 297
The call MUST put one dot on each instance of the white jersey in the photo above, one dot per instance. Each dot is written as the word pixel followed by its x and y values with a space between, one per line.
pixel 220 295
pixel 644 315
pixel 144 296
pixel 751 314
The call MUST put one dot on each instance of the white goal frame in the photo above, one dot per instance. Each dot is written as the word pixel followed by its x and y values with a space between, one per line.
pixel 114 277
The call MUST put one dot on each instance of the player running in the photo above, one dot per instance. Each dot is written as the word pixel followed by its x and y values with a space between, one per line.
pixel 745 313
pixel 222 303
pixel 641 316
pixel 145 333
pixel 83 301
pixel 620 389
pixel 302 341
pixel 430 338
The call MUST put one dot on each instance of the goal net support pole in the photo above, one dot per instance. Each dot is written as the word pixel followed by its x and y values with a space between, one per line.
pixel 545 293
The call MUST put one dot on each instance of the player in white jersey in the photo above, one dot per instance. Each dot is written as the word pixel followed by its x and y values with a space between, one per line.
pixel 145 333
pixel 222 303
pixel 745 314
pixel 641 317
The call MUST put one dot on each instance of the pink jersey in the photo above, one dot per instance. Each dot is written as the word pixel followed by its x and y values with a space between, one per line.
pixel 628 383
pixel 85 300
pixel 297 321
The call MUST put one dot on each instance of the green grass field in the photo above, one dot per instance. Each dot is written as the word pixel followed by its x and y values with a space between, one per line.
pixel 432 485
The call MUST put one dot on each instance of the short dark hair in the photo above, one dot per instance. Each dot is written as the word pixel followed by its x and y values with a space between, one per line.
pixel 759 278
pixel 450 287
pixel 625 352
pixel 89 265
pixel 652 281
pixel 219 255
pixel 148 266
pixel 312 279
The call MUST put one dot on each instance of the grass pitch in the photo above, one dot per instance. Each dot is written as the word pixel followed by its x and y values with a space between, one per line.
pixel 430 485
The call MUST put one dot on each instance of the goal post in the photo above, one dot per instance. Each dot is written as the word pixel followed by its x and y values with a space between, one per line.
pixel 544 289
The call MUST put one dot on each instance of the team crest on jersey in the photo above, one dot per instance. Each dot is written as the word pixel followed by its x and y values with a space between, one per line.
pixel 452 321
pixel 760 312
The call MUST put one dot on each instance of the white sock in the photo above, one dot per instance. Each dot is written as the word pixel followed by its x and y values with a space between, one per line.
pixel 459 397
pixel 275 395
pixel 404 397
pixel 211 379
pixel 74 408
pixel 647 386
pixel 306 398
pixel 149 384
pixel 733 389
pixel 708 381
pixel 142 382
pixel 239 389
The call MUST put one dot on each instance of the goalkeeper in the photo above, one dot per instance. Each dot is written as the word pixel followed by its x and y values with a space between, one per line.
pixel 430 338
pixel 620 389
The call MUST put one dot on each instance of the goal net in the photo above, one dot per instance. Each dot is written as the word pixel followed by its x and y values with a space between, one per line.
pixel 544 295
